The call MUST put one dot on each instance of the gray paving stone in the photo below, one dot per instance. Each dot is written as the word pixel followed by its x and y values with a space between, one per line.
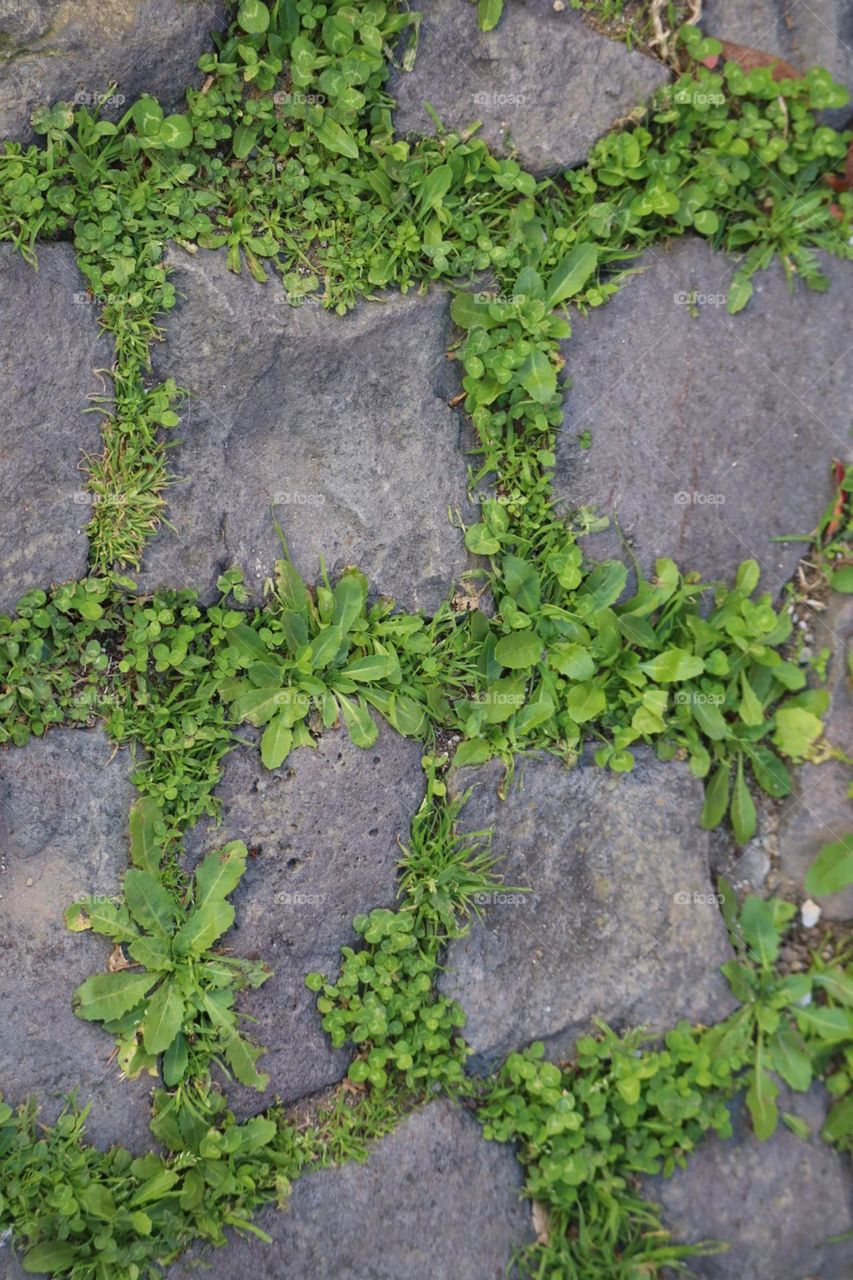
pixel 64 804
pixel 323 834
pixel 818 810
pixel 775 1202
pixel 541 81
pixel 711 435
pixel 71 50
pixel 620 921
pixel 49 351
pixel 339 423
pixel 805 32
pixel 434 1201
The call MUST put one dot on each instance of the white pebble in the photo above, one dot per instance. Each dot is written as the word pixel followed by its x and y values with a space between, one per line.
pixel 809 914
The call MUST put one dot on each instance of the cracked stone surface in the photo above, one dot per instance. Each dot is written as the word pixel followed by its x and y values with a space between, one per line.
pixel 50 348
pixel 434 1200
pixel 64 807
pixel 805 33
pixel 818 810
pixel 341 424
pixel 620 921
pixel 543 82
pixel 323 833
pixel 712 434
pixel 775 1203
pixel 48 53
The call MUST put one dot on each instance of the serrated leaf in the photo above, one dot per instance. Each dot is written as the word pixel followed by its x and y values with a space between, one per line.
pixel 572 273
pixel 198 934
pixel 108 996
pixel 163 1018
pixel 359 722
pixel 258 705
pixel 219 873
pixel 276 741
pixel 538 376
pixel 148 902
pixel 325 646
pixel 790 1058
pixel 350 595
pixel 830 1025
pixel 146 821
pixel 241 1058
pixel 761 1097
pixel 837 984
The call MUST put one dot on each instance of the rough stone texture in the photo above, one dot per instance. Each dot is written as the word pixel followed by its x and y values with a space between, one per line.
pixel 542 82
pixel 49 350
pixel 72 50
pixel 818 811
pixel 805 32
pixel 620 922
pixel 434 1201
pixel 774 1202
pixel 64 808
pixel 341 423
pixel 710 435
pixel 323 833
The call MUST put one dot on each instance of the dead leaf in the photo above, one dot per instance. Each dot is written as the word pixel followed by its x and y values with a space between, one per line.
pixel 117 960
pixel 748 59
pixel 846 183
pixel 541 1223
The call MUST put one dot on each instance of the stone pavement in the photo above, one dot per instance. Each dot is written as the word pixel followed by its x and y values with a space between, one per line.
pixel 342 429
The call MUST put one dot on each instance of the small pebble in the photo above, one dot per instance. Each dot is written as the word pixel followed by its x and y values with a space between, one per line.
pixel 809 914
pixel 30 882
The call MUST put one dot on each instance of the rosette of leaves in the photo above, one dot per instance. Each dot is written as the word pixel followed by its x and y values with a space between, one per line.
pixel 170 993
pixel 796 1026
pixel 323 653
